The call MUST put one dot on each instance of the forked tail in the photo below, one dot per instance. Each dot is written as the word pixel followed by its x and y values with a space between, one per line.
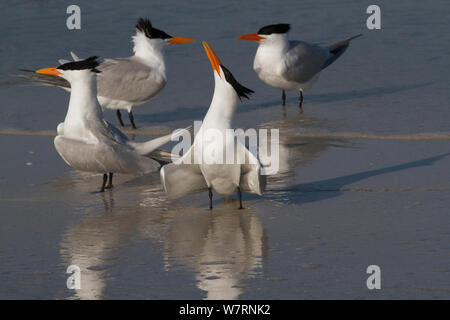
pixel 338 49
pixel 44 79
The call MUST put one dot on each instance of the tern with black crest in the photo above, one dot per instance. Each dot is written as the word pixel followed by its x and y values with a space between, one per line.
pixel 128 82
pixel 291 65
pixel 200 169
pixel 89 143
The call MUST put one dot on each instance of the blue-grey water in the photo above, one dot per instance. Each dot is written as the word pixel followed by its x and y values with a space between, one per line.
pixel 364 176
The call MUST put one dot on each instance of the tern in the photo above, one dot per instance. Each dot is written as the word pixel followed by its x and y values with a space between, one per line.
pixel 89 143
pixel 291 65
pixel 184 176
pixel 128 82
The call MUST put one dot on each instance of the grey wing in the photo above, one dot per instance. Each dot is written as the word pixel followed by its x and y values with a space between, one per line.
pixel 102 157
pixel 106 131
pixel 304 60
pixel 116 145
pixel 128 80
pixel 182 178
pixel 118 135
pixel 251 180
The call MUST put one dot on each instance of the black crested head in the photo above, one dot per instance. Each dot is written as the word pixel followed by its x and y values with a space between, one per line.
pixel 145 26
pixel 90 63
pixel 239 88
pixel 275 28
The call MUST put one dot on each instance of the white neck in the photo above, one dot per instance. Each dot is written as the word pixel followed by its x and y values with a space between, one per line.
pixel 150 50
pixel 223 105
pixel 83 104
pixel 273 48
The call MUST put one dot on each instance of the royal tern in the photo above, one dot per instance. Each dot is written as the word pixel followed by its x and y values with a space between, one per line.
pixel 128 82
pixel 186 176
pixel 291 65
pixel 86 141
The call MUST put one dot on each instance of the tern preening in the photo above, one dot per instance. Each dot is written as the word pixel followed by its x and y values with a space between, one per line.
pixel 291 65
pixel 86 141
pixel 184 176
pixel 128 82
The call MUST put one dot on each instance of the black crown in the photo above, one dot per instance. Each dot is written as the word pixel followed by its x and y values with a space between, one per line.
pixel 145 26
pixel 89 63
pixel 275 28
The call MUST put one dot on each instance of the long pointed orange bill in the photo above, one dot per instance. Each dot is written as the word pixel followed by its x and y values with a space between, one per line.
pixel 51 71
pixel 215 62
pixel 251 37
pixel 175 39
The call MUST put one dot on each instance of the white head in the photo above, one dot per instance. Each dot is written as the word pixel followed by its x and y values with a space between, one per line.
pixel 274 34
pixel 148 38
pixel 83 92
pixel 75 71
pixel 227 89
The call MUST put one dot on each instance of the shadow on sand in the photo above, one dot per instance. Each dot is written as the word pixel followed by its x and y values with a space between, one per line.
pixel 330 188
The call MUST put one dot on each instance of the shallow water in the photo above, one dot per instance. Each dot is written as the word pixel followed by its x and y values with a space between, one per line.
pixel 363 176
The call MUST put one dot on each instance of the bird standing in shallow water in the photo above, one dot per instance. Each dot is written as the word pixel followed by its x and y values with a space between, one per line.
pixel 184 176
pixel 291 65
pixel 89 143
pixel 128 82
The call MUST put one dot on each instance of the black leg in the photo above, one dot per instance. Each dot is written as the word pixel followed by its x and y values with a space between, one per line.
pixel 105 178
pixel 119 116
pixel 210 198
pixel 300 102
pixel 240 198
pixel 283 97
pixel 130 115
pixel 110 184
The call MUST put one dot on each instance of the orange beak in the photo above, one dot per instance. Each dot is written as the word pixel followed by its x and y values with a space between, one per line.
pixel 215 62
pixel 51 71
pixel 251 37
pixel 174 40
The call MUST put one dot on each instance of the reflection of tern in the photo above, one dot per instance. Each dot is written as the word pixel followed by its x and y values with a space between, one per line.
pixel 223 250
pixel 183 177
pixel 89 143
pixel 128 82
pixel 291 65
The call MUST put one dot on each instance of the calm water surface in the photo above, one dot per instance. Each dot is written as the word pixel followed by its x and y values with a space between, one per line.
pixel 350 193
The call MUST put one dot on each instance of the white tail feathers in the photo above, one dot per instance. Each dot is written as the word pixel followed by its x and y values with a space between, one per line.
pixel 74 57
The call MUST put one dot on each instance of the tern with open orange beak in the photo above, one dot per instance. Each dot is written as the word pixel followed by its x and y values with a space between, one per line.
pixel 207 166
pixel 125 83
pixel 291 65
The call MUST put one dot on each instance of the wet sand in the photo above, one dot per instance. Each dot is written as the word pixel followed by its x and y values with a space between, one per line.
pixel 363 180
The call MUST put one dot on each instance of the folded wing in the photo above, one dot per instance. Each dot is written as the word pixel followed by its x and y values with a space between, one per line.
pixel 128 79
pixel 251 180
pixel 303 61
pixel 180 179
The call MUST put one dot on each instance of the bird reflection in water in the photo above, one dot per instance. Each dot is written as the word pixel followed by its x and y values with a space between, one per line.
pixel 221 248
